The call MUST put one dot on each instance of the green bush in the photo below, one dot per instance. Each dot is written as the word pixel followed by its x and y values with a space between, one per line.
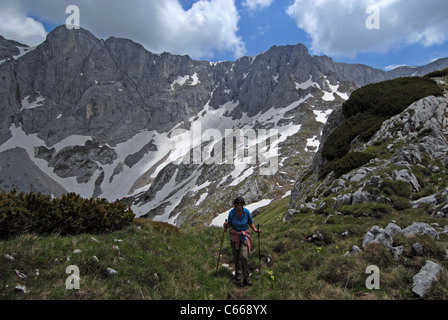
pixel 337 145
pixel 346 164
pixel 366 110
pixel 391 97
pixel 396 188
pixel 69 215
pixel 438 73
pixel 375 210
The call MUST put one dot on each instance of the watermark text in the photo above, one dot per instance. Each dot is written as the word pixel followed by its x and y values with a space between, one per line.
pixel 373 20
pixel 73 21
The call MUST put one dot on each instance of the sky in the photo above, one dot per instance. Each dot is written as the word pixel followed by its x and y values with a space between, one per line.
pixel 381 33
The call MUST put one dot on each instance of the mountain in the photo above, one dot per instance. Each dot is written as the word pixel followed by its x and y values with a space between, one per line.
pixel 400 165
pixel 107 118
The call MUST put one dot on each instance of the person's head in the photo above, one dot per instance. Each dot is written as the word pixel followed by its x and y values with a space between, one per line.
pixel 239 201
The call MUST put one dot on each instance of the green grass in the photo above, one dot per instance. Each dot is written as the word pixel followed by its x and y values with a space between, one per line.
pixel 153 261
pixel 158 261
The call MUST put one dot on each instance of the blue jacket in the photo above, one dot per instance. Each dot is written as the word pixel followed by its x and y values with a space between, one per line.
pixel 240 224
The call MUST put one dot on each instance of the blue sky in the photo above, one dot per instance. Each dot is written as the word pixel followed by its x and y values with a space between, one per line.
pixel 400 32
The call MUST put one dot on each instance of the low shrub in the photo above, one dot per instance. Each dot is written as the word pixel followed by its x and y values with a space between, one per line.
pixel 391 97
pixel 396 188
pixel 69 215
pixel 370 209
pixel 346 164
pixel 438 73
pixel 368 107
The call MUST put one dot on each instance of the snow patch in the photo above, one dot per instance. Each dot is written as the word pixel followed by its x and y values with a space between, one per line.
pixel 307 84
pixel 201 199
pixel 219 220
pixel 31 141
pixel 23 51
pixel 329 96
pixel 182 80
pixel 312 143
pixel 322 116
pixel 26 105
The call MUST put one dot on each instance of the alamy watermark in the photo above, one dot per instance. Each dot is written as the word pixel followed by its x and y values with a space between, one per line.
pixel 73 21
pixel 72 281
pixel 373 281
pixel 237 147
pixel 373 20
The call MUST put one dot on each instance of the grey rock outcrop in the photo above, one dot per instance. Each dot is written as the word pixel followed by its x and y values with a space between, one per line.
pixel 420 228
pixel 9 49
pixel 19 171
pixel 385 237
pixel 378 235
pixel 406 176
pixel 425 278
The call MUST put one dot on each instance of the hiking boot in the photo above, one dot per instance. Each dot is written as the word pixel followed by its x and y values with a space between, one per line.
pixel 237 277
pixel 247 282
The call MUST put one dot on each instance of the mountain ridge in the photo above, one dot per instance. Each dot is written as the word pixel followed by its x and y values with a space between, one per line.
pixel 102 117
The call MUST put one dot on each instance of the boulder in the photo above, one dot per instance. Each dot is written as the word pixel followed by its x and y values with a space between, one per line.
pixel 397 252
pixel 432 200
pixel 392 229
pixel 378 235
pixel 421 228
pixel 425 278
pixel 289 215
pixel 111 271
pixel 408 177
pixel 418 249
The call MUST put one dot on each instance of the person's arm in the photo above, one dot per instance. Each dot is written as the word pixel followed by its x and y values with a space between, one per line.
pixel 250 221
pixel 255 229
pixel 228 222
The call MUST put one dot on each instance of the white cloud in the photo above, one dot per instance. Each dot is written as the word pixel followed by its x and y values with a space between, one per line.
pixel 338 27
pixel 15 25
pixel 254 5
pixel 394 66
pixel 208 27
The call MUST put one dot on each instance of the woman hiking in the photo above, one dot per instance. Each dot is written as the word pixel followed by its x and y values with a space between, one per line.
pixel 239 221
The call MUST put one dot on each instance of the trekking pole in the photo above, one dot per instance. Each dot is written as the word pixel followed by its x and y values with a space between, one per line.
pixel 220 249
pixel 259 250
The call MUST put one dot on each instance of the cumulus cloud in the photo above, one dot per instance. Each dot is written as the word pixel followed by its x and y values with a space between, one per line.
pixel 15 25
pixel 338 27
pixel 208 27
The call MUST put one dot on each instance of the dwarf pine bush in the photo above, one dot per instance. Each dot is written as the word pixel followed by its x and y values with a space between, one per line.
pixel 69 215
pixel 366 110
pixel 438 73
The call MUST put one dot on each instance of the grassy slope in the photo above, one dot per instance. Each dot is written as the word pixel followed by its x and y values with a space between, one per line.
pixel 153 261
pixel 185 261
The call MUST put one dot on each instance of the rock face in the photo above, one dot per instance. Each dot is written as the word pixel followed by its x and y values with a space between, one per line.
pixel 413 139
pixel 408 172
pixel 104 118
pixel 17 169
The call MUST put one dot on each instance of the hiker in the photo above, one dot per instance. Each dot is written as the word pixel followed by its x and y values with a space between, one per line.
pixel 239 221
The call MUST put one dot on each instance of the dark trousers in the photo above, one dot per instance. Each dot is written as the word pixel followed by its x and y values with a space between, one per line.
pixel 241 258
